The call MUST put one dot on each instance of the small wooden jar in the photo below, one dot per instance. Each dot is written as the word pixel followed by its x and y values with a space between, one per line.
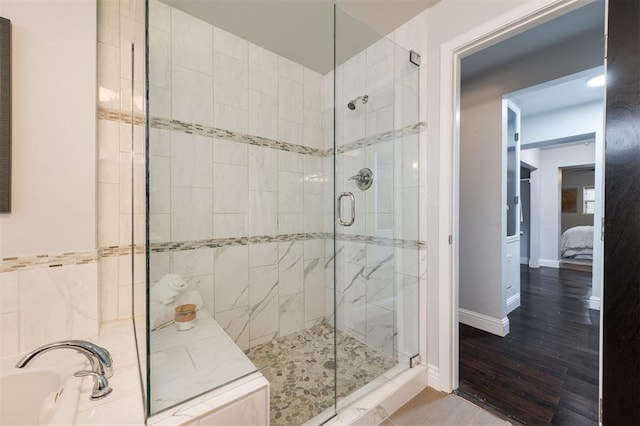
pixel 185 317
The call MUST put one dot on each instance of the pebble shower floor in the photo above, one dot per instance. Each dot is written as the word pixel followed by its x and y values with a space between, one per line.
pixel 301 371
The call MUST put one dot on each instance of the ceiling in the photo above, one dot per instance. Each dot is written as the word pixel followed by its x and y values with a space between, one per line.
pixel 579 22
pixel 384 16
pixel 552 95
pixel 557 94
pixel 302 30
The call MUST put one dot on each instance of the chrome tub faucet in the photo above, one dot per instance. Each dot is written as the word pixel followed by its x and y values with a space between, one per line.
pixel 99 359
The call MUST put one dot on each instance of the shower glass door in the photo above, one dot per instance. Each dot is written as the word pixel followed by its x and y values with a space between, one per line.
pixel 376 189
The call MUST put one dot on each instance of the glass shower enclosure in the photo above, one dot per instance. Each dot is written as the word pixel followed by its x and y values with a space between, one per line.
pixel 282 189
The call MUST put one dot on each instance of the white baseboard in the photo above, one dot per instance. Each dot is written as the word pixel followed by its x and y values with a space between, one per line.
pixel 524 260
pixel 550 263
pixel 499 327
pixel 594 303
pixel 533 263
pixel 513 302
pixel 433 376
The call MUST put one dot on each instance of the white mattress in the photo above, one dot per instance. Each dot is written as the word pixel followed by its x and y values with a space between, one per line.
pixel 577 243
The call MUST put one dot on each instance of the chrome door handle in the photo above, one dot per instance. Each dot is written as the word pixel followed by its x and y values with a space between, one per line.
pixel 353 209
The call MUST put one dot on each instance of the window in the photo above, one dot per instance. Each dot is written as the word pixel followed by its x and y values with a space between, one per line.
pixel 588 200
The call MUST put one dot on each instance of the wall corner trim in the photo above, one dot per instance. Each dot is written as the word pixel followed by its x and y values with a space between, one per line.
pixel 433 376
pixel 513 302
pixel 499 327
pixel 549 263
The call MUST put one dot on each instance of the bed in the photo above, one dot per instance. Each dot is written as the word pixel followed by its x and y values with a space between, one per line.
pixel 577 243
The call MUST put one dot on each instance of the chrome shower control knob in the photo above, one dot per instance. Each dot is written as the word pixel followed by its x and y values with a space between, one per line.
pixel 364 178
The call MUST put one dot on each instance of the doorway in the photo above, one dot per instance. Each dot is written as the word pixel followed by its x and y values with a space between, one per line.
pixel 577 217
pixel 496 340
pixel 525 207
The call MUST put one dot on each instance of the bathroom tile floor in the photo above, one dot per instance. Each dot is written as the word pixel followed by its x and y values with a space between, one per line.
pixel 300 368
pixel 431 407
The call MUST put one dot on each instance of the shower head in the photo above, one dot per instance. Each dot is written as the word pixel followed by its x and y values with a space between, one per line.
pixel 352 104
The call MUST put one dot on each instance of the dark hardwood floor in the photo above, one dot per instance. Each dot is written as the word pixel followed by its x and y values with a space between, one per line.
pixel 545 371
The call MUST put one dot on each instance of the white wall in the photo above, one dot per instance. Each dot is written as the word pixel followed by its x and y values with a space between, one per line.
pixel 576 120
pixel 445 22
pixel 481 208
pixel 54 177
pixel 54 126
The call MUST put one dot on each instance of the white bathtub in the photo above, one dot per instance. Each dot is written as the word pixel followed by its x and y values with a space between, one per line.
pixel 45 393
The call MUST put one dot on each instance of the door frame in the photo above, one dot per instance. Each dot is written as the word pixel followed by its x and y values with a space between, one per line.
pixel 532 180
pixel 516 21
pixel 512 302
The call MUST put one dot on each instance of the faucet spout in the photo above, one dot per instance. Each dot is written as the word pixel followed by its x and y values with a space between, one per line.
pixel 99 357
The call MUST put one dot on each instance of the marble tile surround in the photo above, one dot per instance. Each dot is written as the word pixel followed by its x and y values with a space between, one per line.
pixel 124 405
pixel 256 291
pixel 283 284
pixel 181 361
pixel 245 401
pixel 46 303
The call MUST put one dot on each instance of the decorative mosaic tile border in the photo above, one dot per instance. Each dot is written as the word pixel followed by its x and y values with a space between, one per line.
pixel 241 241
pixel 112 251
pixel 200 130
pixel 9 264
pixel 238 241
pixel 121 116
pixel 412 129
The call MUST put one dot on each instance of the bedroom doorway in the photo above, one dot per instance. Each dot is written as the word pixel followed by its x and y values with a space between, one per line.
pixel 577 217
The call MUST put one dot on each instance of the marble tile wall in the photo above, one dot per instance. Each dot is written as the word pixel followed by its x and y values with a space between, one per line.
pixel 68 282
pixel 248 95
pixel 236 152
pixel 121 183
pixel 44 303
pixel 256 292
